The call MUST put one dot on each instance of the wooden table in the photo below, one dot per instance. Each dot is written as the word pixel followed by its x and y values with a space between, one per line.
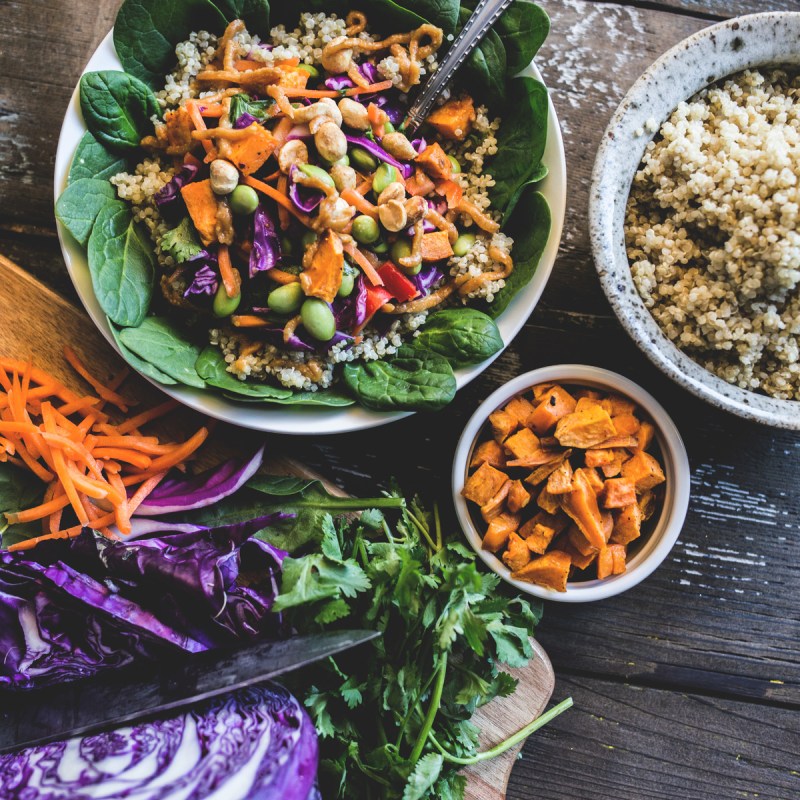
pixel 689 685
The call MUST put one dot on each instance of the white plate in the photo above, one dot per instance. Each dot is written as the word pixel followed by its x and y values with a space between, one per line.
pixel 295 419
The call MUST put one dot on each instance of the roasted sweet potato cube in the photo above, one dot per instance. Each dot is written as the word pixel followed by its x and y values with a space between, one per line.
pixel 592 394
pixel 250 153
pixel 647 504
pixel 550 570
pixel 621 406
pixel 560 481
pixel 435 247
pixel 555 404
pixel 643 470
pixel 617 442
pixel 484 484
pixel 549 502
pixel 598 458
pixel 518 497
pixel 503 425
pixel 607 521
pixel 519 408
pixel 614 467
pixel 645 435
pixel 523 444
pixel 543 472
pixel 580 542
pixel 581 505
pixel 498 531
pixel 489 452
pixel 549 443
pixel 595 481
pixel 179 131
pixel 540 537
pixel 627 524
pixel 201 203
pixel 435 162
pixel 517 554
pixel 626 424
pixel 618 493
pixel 491 509
pixel 579 560
pixel 588 402
pixel 611 561
pixel 536 459
pixel 453 120
pixel 540 390
pixel 585 428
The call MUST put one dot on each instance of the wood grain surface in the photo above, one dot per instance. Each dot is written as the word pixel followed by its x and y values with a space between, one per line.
pixel 687 686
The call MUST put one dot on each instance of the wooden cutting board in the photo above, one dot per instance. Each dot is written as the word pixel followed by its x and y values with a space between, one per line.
pixel 35 323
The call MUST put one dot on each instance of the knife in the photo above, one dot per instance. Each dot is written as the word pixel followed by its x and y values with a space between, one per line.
pixel 121 696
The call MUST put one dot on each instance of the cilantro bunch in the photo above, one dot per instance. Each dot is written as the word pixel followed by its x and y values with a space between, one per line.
pixel 394 716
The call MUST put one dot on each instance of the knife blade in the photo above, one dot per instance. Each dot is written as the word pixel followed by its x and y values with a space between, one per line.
pixel 118 697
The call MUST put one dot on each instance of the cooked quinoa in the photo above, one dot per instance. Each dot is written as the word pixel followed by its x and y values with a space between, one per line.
pixel 711 230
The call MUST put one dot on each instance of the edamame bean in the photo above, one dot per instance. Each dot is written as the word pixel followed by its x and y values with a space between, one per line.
pixel 400 249
pixel 384 175
pixel 362 160
pixel 317 173
pixel 244 200
pixel 388 127
pixel 286 299
pixel 464 244
pixel 310 69
pixel 347 284
pixel 286 246
pixel 318 319
pixel 223 305
pixel 380 247
pixel 344 161
pixel 308 238
pixel 454 164
pixel 365 229
pixel 415 270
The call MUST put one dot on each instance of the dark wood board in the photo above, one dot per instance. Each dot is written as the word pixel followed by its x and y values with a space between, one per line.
pixel 710 641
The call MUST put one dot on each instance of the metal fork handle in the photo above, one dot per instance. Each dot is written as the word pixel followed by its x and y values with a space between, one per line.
pixel 486 13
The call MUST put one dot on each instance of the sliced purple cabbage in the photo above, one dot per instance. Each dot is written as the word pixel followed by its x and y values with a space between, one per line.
pixel 173 496
pixel 169 193
pixel 337 83
pixel 427 227
pixel 373 147
pixel 369 71
pixel 205 281
pixel 305 198
pixel 266 252
pixel 350 312
pixel 419 144
pixel 244 121
pixel 427 278
pixel 256 743
pixel 393 111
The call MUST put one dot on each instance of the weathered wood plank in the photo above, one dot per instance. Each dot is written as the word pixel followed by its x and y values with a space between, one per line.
pixel 622 742
pixel 717 9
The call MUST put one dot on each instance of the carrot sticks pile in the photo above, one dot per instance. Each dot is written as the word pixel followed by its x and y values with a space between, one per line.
pixel 100 470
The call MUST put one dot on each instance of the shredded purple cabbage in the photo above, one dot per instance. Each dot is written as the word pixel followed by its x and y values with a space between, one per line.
pixel 373 147
pixel 244 121
pixel 350 312
pixel 426 279
pixel 419 144
pixel 205 281
pixel 369 71
pixel 169 193
pixel 336 83
pixel 304 198
pixel 393 111
pixel 266 252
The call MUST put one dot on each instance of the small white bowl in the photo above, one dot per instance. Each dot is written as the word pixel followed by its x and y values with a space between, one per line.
pixel 659 541
pixel 702 59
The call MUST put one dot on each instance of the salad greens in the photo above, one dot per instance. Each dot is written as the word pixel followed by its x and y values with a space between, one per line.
pixel 144 367
pixel 81 202
pixel 463 336
pixel 92 160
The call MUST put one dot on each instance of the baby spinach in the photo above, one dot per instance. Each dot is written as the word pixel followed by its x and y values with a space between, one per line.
pixel 146 32
pixel 121 265
pixel 162 344
pixel 520 141
pixel 484 71
pixel 407 14
pixel 255 13
pixel 117 108
pixel 529 226
pixel 19 489
pixel 80 203
pixel 522 28
pixel 322 397
pixel 462 335
pixel 412 380
pixel 92 160
pixel 144 367
pixel 211 367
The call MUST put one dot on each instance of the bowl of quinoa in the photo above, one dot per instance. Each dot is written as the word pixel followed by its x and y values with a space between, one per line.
pixel 248 358
pixel 698 250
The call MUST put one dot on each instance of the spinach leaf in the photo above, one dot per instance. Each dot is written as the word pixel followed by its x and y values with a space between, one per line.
pixel 522 28
pixel 80 203
pixel 254 12
pixel 19 489
pixel 211 367
pixel 462 335
pixel 92 160
pixel 412 380
pixel 122 265
pixel 484 72
pixel 160 343
pixel 146 32
pixel 117 108
pixel 144 367
pixel 520 140
pixel 322 397
pixel 529 226
pixel 393 15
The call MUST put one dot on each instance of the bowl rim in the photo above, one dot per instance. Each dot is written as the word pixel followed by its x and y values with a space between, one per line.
pixel 298 420
pixel 661 539
pixel 607 236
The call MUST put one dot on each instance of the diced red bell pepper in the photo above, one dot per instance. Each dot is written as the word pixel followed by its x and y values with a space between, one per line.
pixel 377 298
pixel 401 288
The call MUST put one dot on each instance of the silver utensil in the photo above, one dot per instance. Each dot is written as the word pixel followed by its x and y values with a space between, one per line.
pixel 486 13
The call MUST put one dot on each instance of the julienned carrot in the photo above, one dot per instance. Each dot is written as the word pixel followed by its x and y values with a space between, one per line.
pixel 139 460
pixel 365 186
pixel 373 87
pixel 43 510
pixel 283 214
pixel 248 321
pixel 363 262
pixel 280 199
pixel 281 131
pixel 144 491
pixel 147 416
pixel 107 394
pixel 200 125
pixel 281 276
pixel 213 111
pixel 360 203
pixel 226 271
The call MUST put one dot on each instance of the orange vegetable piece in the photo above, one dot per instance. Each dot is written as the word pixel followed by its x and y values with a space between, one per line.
pixel 618 493
pixel 611 561
pixel 520 409
pixel 627 524
pixel 555 404
pixel 543 472
pixel 453 120
pixel 517 554
pixel 249 153
pixel 493 507
pixel 617 442
pixel 560 480
pixel 579 560
pixel 498 531
pixel 535 459
pixel 451 191
pixel 626 424
pixel 548 502
pixel 558 522
pixel 179 128
pixel 435 162
pixel 419 184
pixel 621 406
pixel 484 484
pixel 518 497
pixel 585 428
pixel 324 264
pixel 522 444
pixel 591 402
pixel 201 203
pixel 598 458
pixel 614 467
pixel 581 505
pixel 580 542
pixel 645 435
pixel 643 470
pixel 595 480
pixel 503 424
pixel 489 452
pixel 435 246
pixel 539 538
pixel 540 390
pixel 550 570
pixel 647 503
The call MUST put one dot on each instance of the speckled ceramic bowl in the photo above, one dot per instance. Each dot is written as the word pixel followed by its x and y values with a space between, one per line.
pixel 705 57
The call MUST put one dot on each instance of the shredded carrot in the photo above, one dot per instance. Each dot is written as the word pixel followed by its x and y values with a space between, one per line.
pixel 280 199
pixel 147 416
pixel 363 262
pixel 226 271
pixel 318 93
pixel 365 186
pixel 213 111
pixel 107 394
pixel 281 276
pixel 139 460
pixel 37 512
pixel 283 214
pixel 281 131
pixel 145 490
pixel 248 321
pixel 361 203
pixel 377 119
pixel 200 125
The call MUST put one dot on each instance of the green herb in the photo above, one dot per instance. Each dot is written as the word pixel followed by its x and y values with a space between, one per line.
pixel 121 264
pixel 144 367
pixel 80 203
pixel 181 242
pixel 166 347
pixel 394 716
pixel 262 110
pixel 212 368
pixel 117 108
pixel 92 160
pixel 413 380
pixel 462 335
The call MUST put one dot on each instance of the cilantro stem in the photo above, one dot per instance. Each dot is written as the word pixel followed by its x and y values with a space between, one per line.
pixel 361 504
pixel 433 710
pixel 423 530
pixel 438 523
pixel 413 707
pixel 501 748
